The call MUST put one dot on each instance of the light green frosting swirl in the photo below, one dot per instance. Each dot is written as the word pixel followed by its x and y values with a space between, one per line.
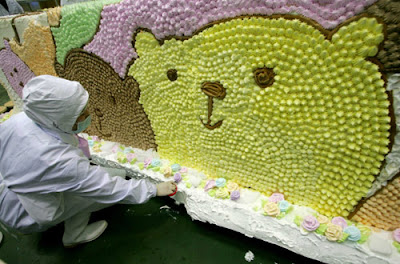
pixel 78 25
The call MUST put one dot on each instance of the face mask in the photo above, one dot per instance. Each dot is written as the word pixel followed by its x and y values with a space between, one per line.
pixel 83 125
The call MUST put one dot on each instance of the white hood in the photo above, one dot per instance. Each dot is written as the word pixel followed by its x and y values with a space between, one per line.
pixel 53 102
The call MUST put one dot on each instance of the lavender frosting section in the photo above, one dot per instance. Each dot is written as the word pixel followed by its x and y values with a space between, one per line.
pixel 15 70
pixel 113 41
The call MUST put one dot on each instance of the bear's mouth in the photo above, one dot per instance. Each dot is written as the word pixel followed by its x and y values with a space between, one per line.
pixel 99 126
pixel 212 90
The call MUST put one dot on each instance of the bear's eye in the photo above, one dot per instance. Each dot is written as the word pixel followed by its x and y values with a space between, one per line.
pixel 264 77
pixel 172 74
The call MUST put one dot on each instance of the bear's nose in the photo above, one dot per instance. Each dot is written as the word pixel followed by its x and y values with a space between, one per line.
pixel 214 89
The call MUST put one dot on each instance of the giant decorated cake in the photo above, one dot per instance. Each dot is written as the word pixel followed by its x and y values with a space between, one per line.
pixel 277 119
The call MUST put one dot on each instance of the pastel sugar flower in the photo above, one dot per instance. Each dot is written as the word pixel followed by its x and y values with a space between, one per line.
pixel 353 232
pixel 235 195
pixel 131 157
pixel 271 209
pixel 184 170
pixel 333 232
pixel 276 197
pixel 121 157
pixel 147 162
pixel 177 177
pixel 195 181
pixel 209 185
pixel 310 223
pixel 222 193
pixel 128 150
pixel 322 219
pixel 156 163
pixel 339 221
pixel 396 235
pixel 91 143
pixel 167 171
pixel 175 167
pixel 96 138
pixel 232 186
pixel 97 148
pixel 283 205
pixel 114 149
pixel 220 183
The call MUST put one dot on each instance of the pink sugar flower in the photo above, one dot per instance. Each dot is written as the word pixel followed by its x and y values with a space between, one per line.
pixel 276 197
pixel 310 223
pixel 340 221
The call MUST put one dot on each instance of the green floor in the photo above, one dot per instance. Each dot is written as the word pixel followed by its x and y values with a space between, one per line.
pixel 146 234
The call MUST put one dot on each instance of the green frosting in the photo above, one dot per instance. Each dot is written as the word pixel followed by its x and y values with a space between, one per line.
pixel 78 25
pixel 396 245
pixel 141 165
pixel 365 232
pixel 211 192
pixel 121 158
pixel 321 229
pixel 156 168
pixel 298 220
pixel 203 184
pixel 281 215
pixel 188 185
pixel 343 238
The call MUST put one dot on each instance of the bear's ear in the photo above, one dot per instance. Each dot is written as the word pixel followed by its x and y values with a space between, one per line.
pixel 363 35
pixel 145 42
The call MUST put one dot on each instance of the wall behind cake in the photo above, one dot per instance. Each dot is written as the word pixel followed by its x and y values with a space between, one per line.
pixel 279 96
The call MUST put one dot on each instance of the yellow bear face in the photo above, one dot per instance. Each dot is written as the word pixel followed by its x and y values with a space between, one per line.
pixel 272 104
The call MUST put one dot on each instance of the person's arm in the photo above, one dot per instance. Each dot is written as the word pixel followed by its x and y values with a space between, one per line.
pixel 96 184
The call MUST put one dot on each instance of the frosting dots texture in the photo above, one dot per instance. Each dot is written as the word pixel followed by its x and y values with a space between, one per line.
pixel 318 133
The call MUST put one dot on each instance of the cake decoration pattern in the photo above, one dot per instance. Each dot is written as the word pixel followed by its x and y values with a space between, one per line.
pixel 183 18
pixel 16 71
pixel 389 12
pixel 318 134
pixel 269 119
pixel 54 16
pixel 78 24
pixel 117 114
pixel 382 209
pixel 38 50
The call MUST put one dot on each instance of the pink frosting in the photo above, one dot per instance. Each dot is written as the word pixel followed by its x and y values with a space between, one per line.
pixel 340 221
pixel 114 148
pixel 147 162
pixel 396 235
pixel 130 156
pixel 209 185
pixel 276 197
pixel 15 70
pixel 310 223
pixel 113 41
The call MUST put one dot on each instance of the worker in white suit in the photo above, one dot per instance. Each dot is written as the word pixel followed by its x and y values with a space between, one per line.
pixel 46 178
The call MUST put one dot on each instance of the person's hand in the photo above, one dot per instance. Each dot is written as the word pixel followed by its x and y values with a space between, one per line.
pixel 165 188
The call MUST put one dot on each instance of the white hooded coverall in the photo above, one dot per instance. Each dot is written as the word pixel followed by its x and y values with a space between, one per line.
pixel 45 178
